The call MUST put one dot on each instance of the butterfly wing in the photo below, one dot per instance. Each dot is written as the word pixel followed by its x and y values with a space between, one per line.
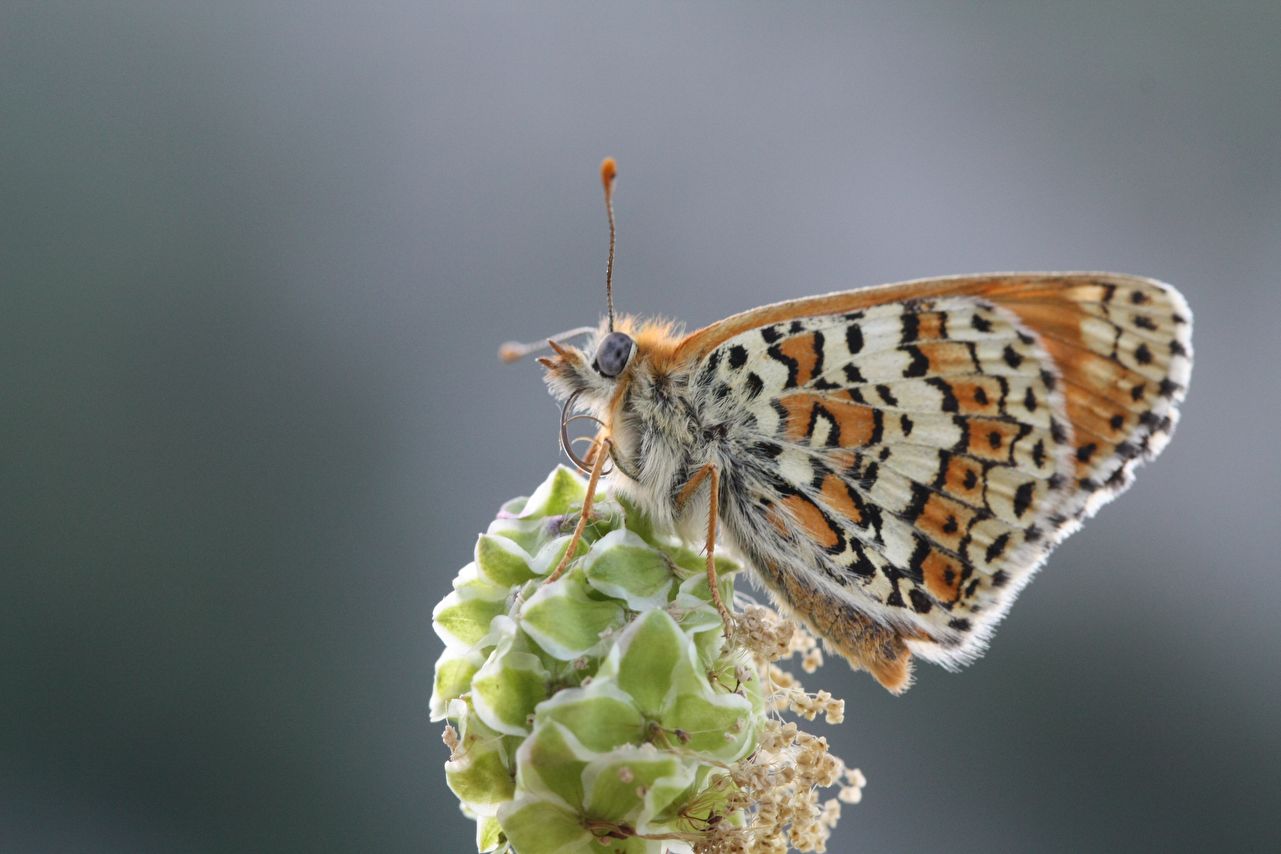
pixel 906 456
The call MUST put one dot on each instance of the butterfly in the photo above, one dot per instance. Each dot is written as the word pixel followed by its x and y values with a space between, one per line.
pixel 893 463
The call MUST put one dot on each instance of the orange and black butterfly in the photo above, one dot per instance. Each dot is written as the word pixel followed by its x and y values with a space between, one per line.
pixel 894 463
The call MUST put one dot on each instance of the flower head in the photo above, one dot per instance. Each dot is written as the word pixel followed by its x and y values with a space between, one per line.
pixel 605 711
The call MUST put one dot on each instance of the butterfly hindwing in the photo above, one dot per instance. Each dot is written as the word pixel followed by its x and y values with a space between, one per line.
pixel 912 470
pixel 910 454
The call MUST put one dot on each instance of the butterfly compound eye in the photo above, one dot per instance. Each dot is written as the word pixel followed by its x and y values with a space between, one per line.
pixel 613 354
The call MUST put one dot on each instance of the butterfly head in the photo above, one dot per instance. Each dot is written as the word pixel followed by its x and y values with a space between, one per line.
pixel 609 360
pixel 594 371
pixel 576 371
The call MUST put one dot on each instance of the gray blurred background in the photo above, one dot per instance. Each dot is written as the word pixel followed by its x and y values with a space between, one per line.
pixel 255 260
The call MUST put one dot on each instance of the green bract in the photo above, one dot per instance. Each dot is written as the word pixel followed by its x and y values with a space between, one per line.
pixel 598 712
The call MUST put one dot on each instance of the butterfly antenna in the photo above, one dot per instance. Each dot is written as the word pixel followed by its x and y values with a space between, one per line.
pixel 608 172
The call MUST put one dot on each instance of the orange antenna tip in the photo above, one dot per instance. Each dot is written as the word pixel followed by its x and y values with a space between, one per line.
pixel 512 351
pixel 608 172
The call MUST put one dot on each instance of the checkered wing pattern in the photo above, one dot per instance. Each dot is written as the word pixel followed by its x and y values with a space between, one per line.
pixel 907 456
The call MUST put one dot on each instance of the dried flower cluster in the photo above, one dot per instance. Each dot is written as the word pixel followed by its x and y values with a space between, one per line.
pixel 776 787
pixel 606 711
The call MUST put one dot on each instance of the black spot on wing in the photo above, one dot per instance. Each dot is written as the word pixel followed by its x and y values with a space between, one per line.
pixel 878 427
pixel 1023 498
pixel 819 341
pixel 1057 432
pixel 911 327
pixel 793 367
pixel 861 566
pixel 853 338
pixel 766 450
pixel 1126 451
pixel 919 366
pixel 997 547
pixel 940 476
pixel 867 477
pixel 915 564
pixel 914 509
pixel 872 513
pixel 949 397
pixel 709 368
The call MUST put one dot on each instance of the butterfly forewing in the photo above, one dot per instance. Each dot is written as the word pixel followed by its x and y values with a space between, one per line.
pixel 909 454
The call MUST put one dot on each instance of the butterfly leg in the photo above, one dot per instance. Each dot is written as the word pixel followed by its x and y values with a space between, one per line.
pixel 598 454
pixel 704 473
